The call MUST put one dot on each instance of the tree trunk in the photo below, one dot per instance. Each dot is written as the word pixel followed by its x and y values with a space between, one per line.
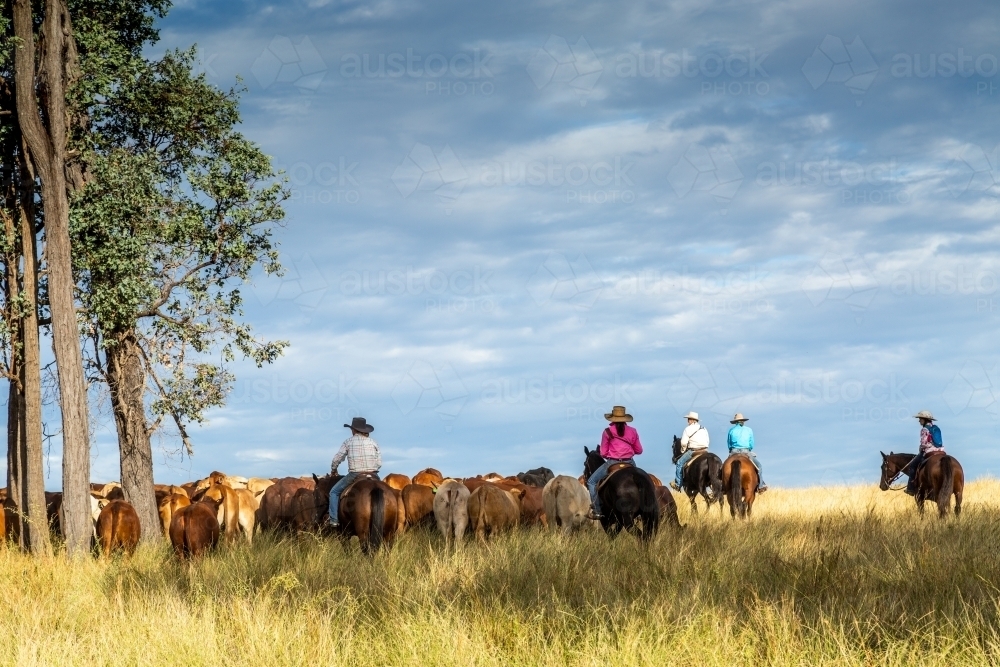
pixel 47 147
pixel 15 467
pixel 127 382
pixel 33 479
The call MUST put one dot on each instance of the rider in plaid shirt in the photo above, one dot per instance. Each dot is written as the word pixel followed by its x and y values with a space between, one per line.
pixel 363 456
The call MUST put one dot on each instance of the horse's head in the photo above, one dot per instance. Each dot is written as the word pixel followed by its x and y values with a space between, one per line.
pixel 891 467
pixel 677 449
pixel 592 462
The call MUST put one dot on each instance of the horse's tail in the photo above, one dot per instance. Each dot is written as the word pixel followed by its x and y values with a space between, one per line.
pixel 736 487
pixel 376 520
pixel 947 484
pixel 715 477
pixel 649 507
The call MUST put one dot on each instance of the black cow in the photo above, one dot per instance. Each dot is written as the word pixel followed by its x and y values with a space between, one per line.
pixel 538 477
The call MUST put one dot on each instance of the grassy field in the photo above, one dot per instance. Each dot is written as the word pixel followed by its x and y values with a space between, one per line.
pixel 840 576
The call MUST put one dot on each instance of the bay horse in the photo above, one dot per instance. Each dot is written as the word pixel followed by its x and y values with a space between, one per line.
pixel 702 476
pixel 369 508
pixel 627 496
pixel 938 478
pixel 740 480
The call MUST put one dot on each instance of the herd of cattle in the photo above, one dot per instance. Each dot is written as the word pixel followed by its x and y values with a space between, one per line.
pixel 193 516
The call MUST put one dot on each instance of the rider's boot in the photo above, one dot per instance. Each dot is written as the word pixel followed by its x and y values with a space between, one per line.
pixel 675 486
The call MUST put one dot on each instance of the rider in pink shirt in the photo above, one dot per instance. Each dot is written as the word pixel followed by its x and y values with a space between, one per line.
pixel 619 443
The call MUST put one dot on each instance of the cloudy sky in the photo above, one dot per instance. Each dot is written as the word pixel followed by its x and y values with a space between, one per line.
pixel 508 217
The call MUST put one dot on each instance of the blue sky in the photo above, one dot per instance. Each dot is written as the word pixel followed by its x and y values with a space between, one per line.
pixel 507 218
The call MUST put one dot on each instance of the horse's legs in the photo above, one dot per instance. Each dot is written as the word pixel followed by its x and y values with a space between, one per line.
pixel 693 497
pixel 920 502
pixel 958 502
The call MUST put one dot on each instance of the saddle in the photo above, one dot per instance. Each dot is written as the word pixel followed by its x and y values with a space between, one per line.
pixel 698 453
pixel 745 458
pixel 927 459
pixel 361 476
pixel 612 469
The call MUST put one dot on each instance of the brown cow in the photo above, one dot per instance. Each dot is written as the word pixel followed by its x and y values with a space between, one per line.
pixel 194 529
pixel 668 506
pixel 418 504
pixel 532 507
pixel 491 509
pixel 281 508
pixel 118 528
pixel 397 481
pixel 168 507
pixel 236 509
pixel 429 477
pixel 656 480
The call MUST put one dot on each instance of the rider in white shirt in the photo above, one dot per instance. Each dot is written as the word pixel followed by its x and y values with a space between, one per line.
pixel 693 439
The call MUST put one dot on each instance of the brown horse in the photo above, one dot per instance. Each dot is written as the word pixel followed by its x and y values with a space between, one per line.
pixel 740 480
pixel 369 508
pixel 937 479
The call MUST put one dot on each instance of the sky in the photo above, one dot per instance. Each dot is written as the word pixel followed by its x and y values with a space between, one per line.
pixel 508 217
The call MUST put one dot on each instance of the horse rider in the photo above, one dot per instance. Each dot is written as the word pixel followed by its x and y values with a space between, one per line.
pixel 740 441
pixel 930 443
pixel 694 439
pixel 363 456
pixel 619 444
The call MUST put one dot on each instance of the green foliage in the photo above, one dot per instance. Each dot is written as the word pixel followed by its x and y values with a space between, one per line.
pixel 177 213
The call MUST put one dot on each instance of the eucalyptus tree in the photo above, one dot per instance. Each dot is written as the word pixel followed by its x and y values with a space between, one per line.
pixel 179 210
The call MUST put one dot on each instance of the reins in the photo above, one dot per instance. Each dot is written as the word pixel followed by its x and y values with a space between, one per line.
pixel 899 474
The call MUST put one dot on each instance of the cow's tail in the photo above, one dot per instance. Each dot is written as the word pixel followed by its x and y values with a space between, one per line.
pixel 715 477
pixel 376 520
pixel 481 520
pixel 947 484
pixel 735 490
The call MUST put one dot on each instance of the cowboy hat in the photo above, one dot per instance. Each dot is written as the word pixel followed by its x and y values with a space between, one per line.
pixel 738 417
pixel 618 414
pixel 925 414
pixel 360 425
pixel 691 415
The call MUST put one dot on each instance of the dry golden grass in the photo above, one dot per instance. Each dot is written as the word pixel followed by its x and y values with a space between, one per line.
pixel 839 576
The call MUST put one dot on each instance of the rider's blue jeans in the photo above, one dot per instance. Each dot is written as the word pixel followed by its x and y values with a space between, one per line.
pixel 681 462
pixel 335 492
pixel 596 478
pixel 756 462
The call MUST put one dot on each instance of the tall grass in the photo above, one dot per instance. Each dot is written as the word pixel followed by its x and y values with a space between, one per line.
pixel 843 576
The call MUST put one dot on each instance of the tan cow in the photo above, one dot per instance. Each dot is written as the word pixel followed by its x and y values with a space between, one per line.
pixel 168 507
pixel 237 509
pixel 118 528
pixel 397 481
pixel 429 477
pixel 491 510
pixel 451 510
pixel 567 504
pixel 257 486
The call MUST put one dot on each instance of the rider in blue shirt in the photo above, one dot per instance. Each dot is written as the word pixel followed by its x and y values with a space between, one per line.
pixel 740 441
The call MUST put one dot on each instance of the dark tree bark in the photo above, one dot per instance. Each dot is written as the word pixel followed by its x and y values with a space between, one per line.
pixel 47 148
pixel 127 382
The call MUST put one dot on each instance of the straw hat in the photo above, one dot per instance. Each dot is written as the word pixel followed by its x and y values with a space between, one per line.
pixel 738 418
pixel 691 415
pixel 618 414
pixel 925 414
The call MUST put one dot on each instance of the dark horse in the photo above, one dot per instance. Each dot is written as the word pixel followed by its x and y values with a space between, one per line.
pixel 703 475
pixel 369 508
pixel 627 494
pixel 937 479
pixel 740 480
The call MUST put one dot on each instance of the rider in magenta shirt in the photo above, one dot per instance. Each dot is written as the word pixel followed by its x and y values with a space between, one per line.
pixel 614 446
pixel 620 442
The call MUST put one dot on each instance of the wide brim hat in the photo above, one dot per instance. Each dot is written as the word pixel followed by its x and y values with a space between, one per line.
pixel 738 418
pixel 360 424
pixel 618 414
pixel 925 414
pixel 692 415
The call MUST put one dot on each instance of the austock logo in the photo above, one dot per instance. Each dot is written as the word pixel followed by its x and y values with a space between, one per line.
pixel 835 62
pixel 559 279
pixel 423 170
pixel 437 388
pixel 557 62
pixel 712 170
pixel 284 62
